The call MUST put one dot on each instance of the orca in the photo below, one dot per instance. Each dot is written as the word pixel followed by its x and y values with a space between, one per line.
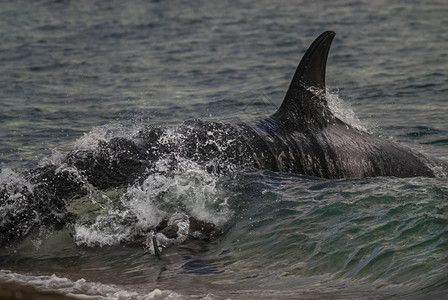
pixel 303 136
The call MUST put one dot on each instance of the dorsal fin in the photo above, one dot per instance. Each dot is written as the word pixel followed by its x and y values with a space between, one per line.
pixel 305 102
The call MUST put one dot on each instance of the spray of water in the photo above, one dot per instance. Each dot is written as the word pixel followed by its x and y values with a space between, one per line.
pixel 342 110
pixel 180 187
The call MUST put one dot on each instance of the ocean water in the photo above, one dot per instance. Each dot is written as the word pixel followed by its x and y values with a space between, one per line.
pixel 74 73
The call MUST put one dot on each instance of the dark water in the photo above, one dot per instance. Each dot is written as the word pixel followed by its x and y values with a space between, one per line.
pixel 75 72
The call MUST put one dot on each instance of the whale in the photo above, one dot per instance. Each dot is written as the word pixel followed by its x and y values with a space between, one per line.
pixel 303 137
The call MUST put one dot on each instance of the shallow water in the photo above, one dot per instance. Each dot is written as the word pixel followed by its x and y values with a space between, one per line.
pixel 74 73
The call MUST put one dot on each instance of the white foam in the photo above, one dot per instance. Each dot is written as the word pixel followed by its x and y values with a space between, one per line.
pixel 343 111
pixel 90 140
pixel 175 185
pixel 106 230
pixel 188 188
pixel 83 289
pixel 56 158
pixel 11 179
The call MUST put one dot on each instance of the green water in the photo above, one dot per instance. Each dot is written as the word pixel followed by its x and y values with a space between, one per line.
pixel 74 73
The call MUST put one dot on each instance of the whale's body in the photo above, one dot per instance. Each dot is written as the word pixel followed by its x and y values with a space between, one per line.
pixel 302 137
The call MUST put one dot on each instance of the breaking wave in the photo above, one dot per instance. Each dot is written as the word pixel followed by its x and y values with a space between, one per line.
pixel 189 189
pixel 84 289
pixel 342 110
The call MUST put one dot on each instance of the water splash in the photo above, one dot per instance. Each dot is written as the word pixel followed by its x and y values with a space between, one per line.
pixel 188 188
pixel 83 288
pixel 90 140
pixel 342 110
pixel 15 201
